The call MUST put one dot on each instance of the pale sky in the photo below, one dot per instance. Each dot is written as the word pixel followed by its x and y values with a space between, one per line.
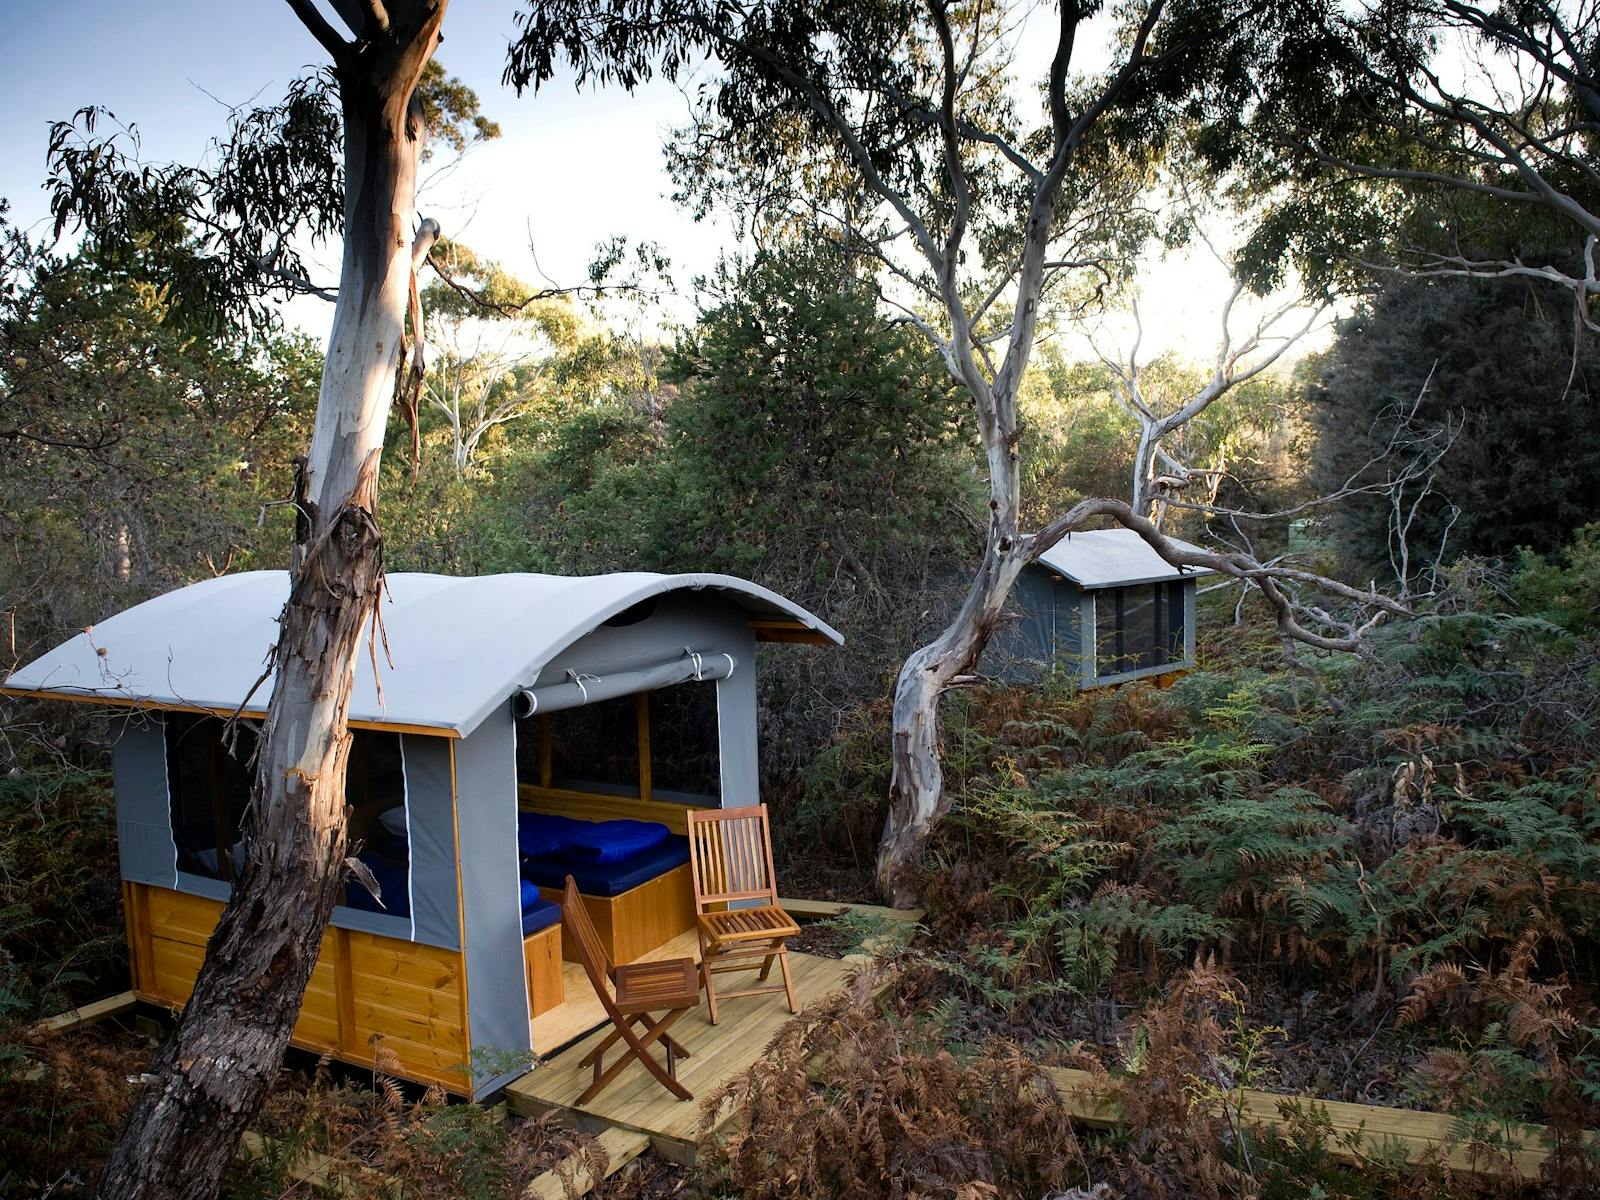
pixel 569 171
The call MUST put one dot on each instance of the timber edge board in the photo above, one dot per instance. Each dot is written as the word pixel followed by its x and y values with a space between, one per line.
pixel 821 910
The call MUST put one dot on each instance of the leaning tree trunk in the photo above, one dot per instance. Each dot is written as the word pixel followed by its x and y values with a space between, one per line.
pixel 214 1072
pixel 916 787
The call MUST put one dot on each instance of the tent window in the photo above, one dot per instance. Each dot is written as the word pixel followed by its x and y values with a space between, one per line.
pixel 210 794
pixel 210 790
pixel 375 790
pixel 593 747
pixel 684 745
pixel 1138 628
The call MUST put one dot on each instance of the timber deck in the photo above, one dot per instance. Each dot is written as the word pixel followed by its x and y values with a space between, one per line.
pixel 635 1101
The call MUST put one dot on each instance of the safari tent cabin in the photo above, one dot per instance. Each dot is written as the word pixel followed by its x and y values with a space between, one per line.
pixel 1100 607
pixel 529 727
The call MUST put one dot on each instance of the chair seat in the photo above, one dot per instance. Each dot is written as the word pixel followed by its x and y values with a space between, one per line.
pixel 748 924
pixel 650 986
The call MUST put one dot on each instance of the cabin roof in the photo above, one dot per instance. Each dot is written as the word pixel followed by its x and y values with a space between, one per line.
pixel 1102 558
pixel 459 646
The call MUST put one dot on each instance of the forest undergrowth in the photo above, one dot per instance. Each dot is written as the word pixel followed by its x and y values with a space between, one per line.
pixel 1371 878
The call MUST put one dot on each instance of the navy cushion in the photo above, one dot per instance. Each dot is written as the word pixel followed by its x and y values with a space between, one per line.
pixel 608 879
pixel 391 880
pixel 540 833
pixel 543 915
pixel 614 841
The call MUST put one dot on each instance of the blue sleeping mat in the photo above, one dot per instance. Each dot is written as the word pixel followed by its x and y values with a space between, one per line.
pixel 537 912
pixel 616 841
pixel 608 879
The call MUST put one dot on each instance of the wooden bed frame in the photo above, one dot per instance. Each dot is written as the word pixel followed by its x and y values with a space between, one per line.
pixel 642 918
pixel 541 957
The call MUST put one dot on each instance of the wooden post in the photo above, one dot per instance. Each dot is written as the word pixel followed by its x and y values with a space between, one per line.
pixel 641 704
pixel 546 760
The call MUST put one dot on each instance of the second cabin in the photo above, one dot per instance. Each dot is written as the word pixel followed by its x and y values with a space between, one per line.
pixel 531 727
pixel 1099 608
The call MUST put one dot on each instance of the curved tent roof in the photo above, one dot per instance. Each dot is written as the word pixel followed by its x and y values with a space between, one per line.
pixel 460 646
pixel 1102 558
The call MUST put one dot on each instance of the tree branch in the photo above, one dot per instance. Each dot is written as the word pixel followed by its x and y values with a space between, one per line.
pixel 322 31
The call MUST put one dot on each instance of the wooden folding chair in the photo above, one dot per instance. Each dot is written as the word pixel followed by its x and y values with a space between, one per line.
pixel 635 991
pixel 730 852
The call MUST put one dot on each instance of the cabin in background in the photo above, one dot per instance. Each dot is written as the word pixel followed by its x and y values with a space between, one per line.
pixel 1100 607
pixel 517 706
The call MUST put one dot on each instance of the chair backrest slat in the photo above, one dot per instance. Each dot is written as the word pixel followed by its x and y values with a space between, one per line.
pixel 730 852
pixel 591 950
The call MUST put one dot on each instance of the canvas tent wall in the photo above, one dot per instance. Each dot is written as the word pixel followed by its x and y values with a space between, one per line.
pixel 1100 607
pixel 439 985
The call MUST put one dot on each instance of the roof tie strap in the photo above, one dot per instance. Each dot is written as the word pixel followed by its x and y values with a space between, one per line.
pixel 578 677
pixel 699 674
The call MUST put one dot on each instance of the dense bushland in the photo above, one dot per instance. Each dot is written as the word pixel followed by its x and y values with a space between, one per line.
pixel 1396 854
pixel 1497 363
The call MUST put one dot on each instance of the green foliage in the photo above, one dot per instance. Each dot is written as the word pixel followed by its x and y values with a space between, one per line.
pixel 1565 587
pixel 224 239
pixel 61 939
pixel 1499 362
pixel 801 401
pixel 136 456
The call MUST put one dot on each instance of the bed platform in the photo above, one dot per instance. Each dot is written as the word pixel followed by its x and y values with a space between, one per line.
pixel 637 904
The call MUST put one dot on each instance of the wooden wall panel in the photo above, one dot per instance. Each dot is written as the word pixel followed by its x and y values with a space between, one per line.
pixel 371 1000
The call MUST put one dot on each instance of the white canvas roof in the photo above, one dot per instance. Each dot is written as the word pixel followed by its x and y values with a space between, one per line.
pixel 1100 558
pixel 460 646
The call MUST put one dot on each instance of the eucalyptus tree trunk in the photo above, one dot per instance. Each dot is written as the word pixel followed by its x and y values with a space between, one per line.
pixel 214 1072
pixel 917 798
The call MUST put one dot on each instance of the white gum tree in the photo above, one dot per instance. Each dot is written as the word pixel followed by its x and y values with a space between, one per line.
pixel 1158 471
pixel 982 219
pixel 281 179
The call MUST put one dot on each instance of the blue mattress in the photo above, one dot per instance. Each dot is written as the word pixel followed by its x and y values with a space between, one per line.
pixel 537 912
pixel 608 879
pixel 616 841
pixel 542 834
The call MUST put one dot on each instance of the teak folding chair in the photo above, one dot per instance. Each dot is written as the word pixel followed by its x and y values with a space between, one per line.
pixel 636 990
pixel 730 852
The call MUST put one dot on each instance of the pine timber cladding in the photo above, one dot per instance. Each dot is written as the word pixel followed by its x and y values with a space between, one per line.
pixel 376 1001
pixel 541 957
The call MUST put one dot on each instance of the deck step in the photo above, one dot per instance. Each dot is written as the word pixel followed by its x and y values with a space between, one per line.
pixel 622 1146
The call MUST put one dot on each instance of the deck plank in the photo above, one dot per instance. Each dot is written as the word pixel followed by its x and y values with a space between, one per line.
pixel 1384 1133
pixel 717 1053
pixel 88 1014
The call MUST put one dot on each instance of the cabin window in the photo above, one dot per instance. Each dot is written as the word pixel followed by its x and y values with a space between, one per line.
pixel 1138 628
pixel 662 744
pixel 590 748
pixel 685 755
pixel 209 784
pixel 380 836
